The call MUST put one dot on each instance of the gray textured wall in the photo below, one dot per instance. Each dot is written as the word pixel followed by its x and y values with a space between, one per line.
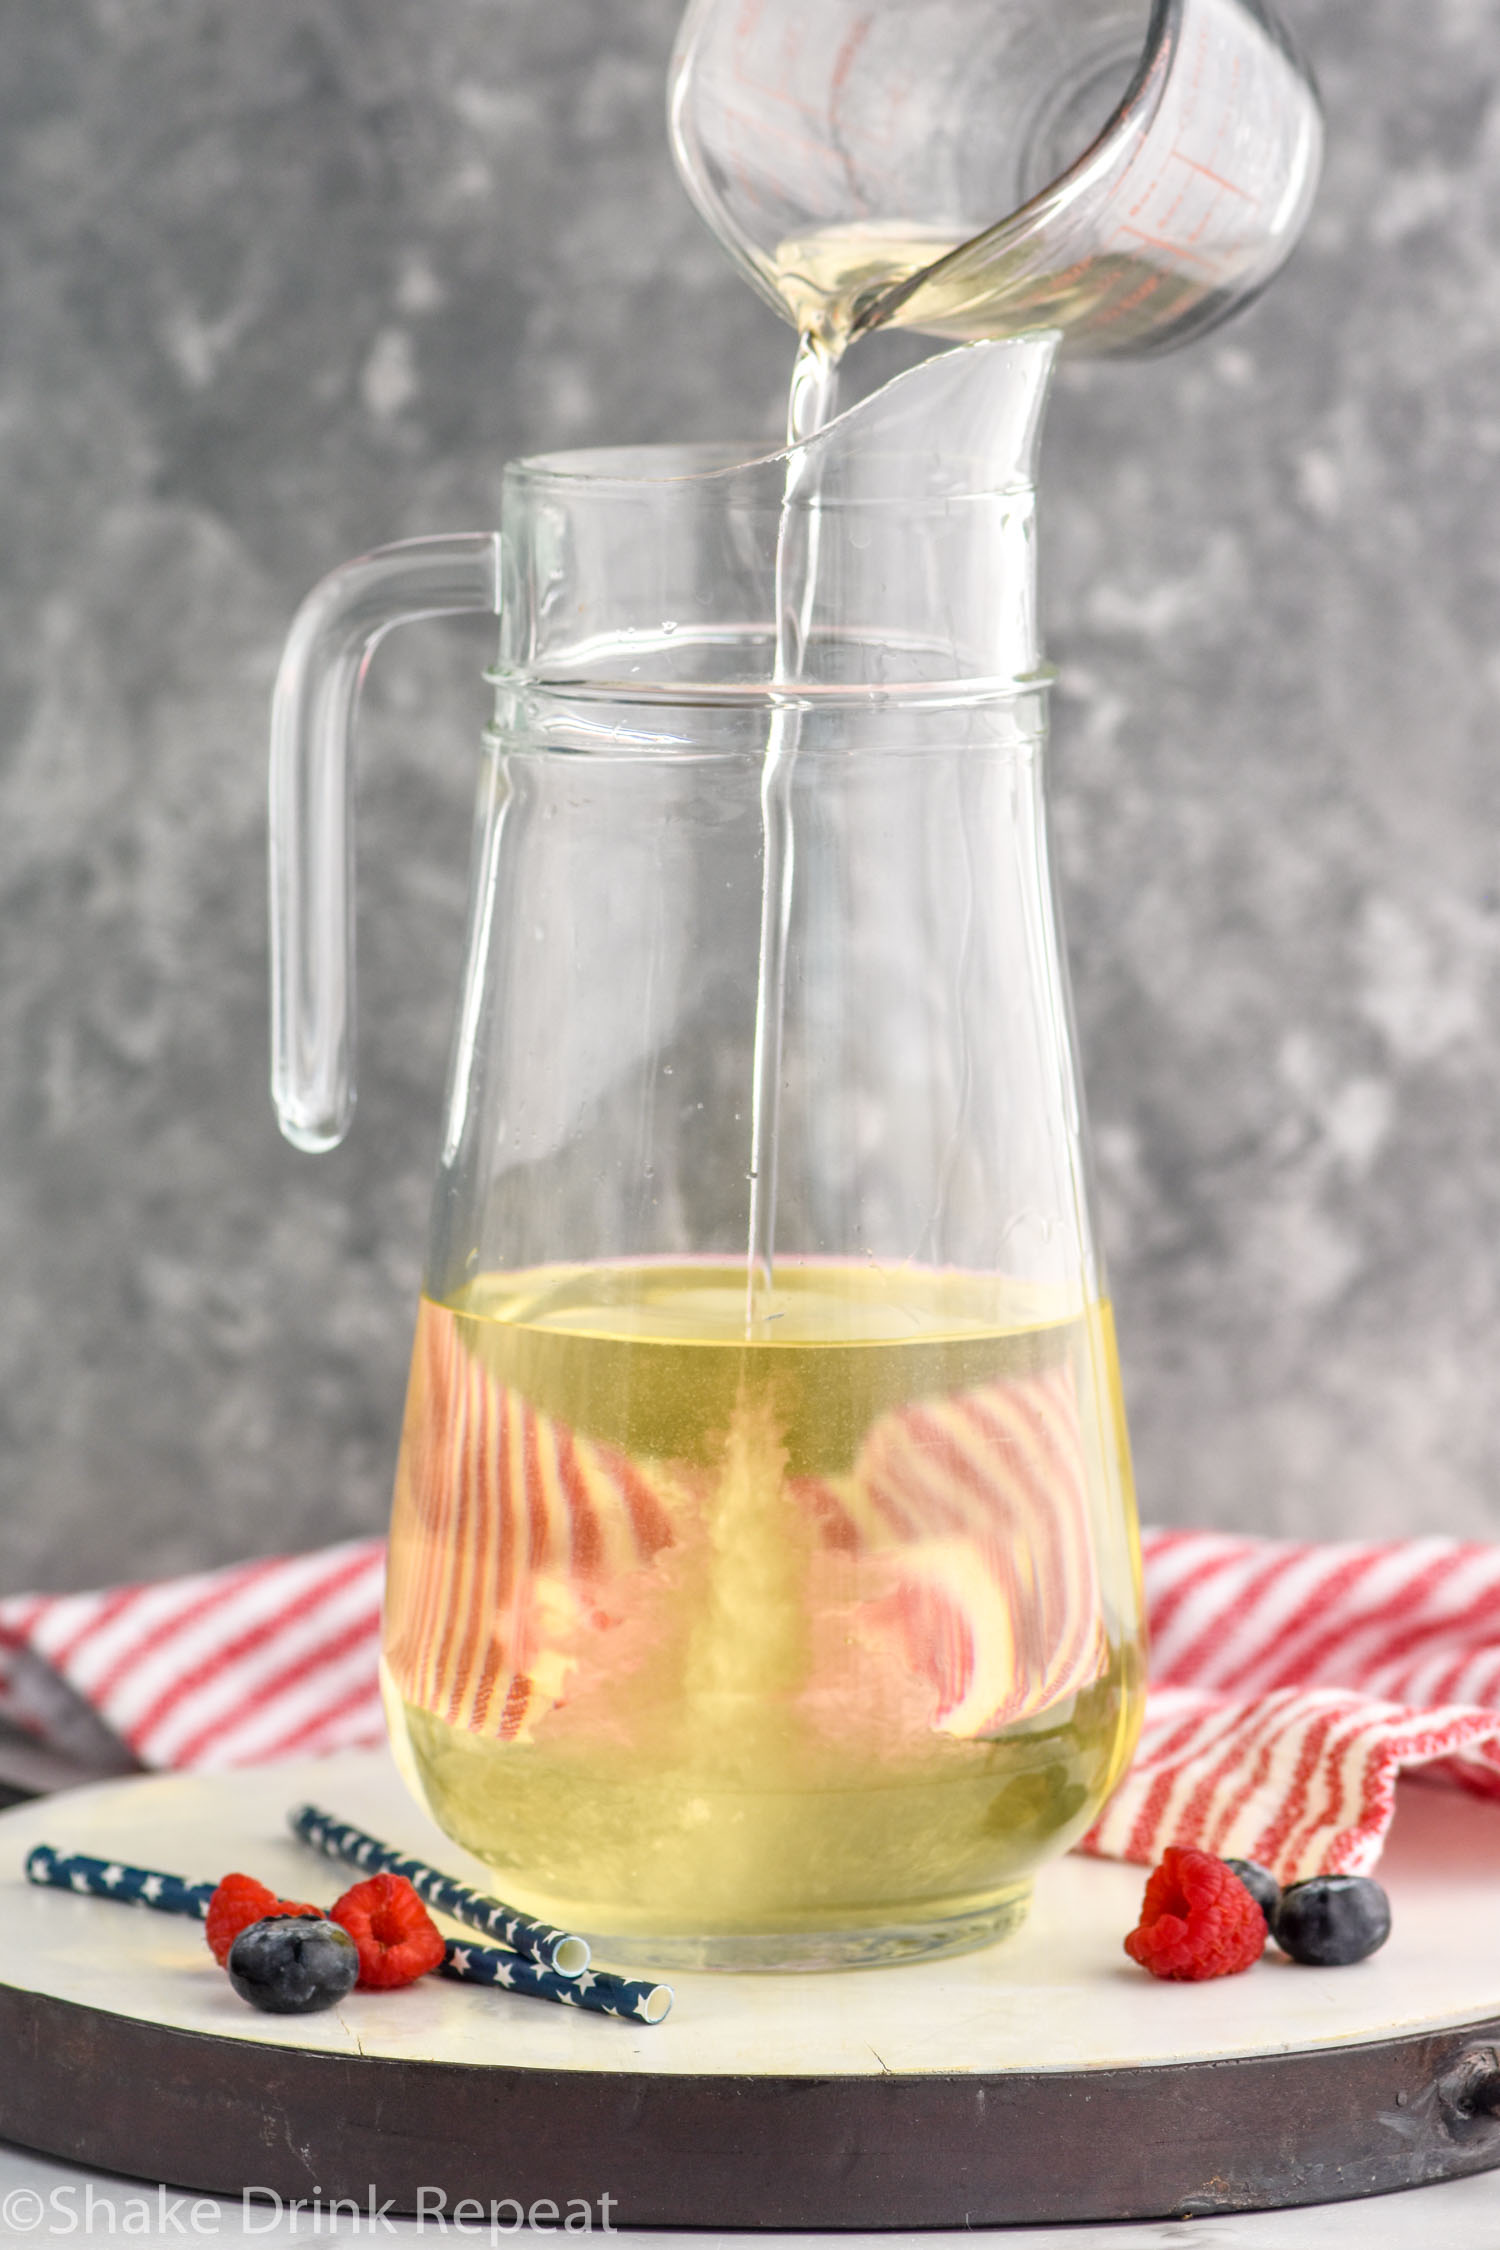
pixel 280 280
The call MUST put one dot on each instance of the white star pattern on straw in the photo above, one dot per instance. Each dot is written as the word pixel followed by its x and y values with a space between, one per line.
pixel 80 1880
pixel 112 1875
pixel 151 1888
pixel 460 1959
pixel 585 1978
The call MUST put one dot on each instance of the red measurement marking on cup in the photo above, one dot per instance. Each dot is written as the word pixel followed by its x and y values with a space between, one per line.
pixel 844 60
pixel 760 128
pixel 1173 249
pixel 1218 178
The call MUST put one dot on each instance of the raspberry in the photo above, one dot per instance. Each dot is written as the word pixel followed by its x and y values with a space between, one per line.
pixel 237 1902
pixel 397 1938
pixel 1197 1920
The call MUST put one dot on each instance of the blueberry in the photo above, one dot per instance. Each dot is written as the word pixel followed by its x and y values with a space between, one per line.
pixel 293 1964
pixel 1259 1882
pixel 1331 1920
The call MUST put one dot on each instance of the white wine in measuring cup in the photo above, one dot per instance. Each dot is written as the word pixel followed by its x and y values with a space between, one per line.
pixel 850 281
pixel 831 280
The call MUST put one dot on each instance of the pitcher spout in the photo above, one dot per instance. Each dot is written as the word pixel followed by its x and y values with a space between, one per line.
pixel 919 505
pixel 963 423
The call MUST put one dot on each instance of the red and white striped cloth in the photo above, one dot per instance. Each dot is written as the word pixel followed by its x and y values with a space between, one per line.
pixel 229 1667
pixel 1291 1684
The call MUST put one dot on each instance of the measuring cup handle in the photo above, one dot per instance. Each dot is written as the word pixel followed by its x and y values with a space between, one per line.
pixel 327 653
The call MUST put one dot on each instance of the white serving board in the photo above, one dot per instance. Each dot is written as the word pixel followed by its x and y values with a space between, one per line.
pixel 1058 1996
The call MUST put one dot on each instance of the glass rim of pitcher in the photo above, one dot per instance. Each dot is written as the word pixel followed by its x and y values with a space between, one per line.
pixel 731 457
pixel 704 459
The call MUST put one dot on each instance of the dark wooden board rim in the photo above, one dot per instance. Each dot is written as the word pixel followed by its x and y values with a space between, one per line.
pixel 220 2115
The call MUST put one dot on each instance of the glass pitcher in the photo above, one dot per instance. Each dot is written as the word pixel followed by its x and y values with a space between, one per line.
pixel 771 1609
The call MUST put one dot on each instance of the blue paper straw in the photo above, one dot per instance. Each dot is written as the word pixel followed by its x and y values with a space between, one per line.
pixel 637 2001
pixel 557 1950
pixel 113 1878
pixel 607 1995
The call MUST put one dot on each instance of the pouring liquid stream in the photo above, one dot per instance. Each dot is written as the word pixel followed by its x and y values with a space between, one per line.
pixel 832 283
pixel 838 283
pixel 812 402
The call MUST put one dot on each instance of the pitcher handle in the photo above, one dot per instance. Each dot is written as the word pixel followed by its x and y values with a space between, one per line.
pixel 323 666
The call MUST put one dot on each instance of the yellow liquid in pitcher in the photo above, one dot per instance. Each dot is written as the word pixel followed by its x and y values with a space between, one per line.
pixel 800 1648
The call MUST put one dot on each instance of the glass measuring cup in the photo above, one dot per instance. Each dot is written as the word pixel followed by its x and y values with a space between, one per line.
pixel 1126 171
